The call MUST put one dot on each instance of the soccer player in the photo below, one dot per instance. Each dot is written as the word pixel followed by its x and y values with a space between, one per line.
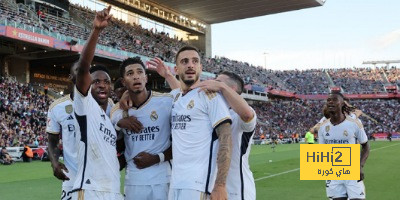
pixel 149 148
pixel 240 182
pixel 342 129
pixel 98 174
pixel 200 130
pixel 61 120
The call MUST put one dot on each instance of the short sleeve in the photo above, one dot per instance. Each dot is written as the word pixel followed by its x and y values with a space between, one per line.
pixel 320 136
pixel 52 125
pixel 361 135
pixel 81 102
pixel 116 116
pixel 250 125
pixel 217 108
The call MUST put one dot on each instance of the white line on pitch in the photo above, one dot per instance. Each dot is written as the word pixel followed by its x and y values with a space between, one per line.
pixel 293 170
pixel 270 176
pixel 385 147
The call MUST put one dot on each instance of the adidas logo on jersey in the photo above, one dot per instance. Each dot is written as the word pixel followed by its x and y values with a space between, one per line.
pixel 70 117
pixel 327 134
pixel 362 193
pixel 87 181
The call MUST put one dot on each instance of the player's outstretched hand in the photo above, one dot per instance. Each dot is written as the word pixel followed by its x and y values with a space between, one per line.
pixel 102 18
pixel 130 123
pixel 161 68
pixel 219 193
pixel 58 171
pixel 144 159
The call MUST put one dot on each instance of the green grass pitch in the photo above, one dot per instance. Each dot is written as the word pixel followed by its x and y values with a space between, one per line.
pixel 278 179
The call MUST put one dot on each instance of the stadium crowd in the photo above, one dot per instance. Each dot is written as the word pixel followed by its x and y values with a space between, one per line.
pixel 153 43
pixel 23 113
pixel 358 81
pixel 289 117
pixel 24 109
pixel 393 75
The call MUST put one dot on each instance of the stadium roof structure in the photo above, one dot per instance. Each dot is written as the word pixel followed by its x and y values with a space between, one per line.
pixel 217 11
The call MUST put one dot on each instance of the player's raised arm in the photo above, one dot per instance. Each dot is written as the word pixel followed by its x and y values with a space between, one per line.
pixel 165 72
pixel 83 80
pixel 223 161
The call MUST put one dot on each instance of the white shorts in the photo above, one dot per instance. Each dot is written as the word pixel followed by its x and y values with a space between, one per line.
pixel 186 194
pixel 147 192
pixel 345 188
pixel 66 193
pixel 95 195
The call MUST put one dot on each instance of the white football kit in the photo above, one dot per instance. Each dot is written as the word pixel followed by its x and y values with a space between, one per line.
pixel 350 131
pixel 155 116
pixel 194 119
pixel 61 120
pixel 98 166
pixel 240 181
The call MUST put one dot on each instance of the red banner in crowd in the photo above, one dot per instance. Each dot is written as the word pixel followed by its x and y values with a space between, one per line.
pixel 282 93
pixel 336 89
pixel 391 87
pixel 27 36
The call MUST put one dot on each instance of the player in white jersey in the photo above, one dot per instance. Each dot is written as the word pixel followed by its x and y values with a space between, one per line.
pixel 61 120
pixel 240 182
pixel 342 129
pixel 349 111
pixel 98 174
pixel 200 129
pixel 147 150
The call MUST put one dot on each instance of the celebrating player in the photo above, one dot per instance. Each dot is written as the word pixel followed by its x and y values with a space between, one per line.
pixel 98 174
pixel 200 120
pixel 148 148
pixel 342 129
pixel 61 119
pixel 240 182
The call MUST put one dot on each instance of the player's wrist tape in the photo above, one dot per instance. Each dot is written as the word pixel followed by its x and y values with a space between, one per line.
pixel 162 157
pixel 117 128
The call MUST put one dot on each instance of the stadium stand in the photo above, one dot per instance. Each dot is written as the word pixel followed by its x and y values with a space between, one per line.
pixel 358 81
pixel 24 109
pixel 393 75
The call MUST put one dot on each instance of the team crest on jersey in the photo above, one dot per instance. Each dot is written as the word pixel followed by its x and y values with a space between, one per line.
pixel 345 133
pixel 190 105
pixel 153 115
pixel 327 128
pixel 69 109
pixel 177 96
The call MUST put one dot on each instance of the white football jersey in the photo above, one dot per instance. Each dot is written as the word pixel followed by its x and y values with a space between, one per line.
pixel 350 131
pixel 154 138
pixel 61 120
pixel 240 181
pixel 98 166
pixel 194 118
